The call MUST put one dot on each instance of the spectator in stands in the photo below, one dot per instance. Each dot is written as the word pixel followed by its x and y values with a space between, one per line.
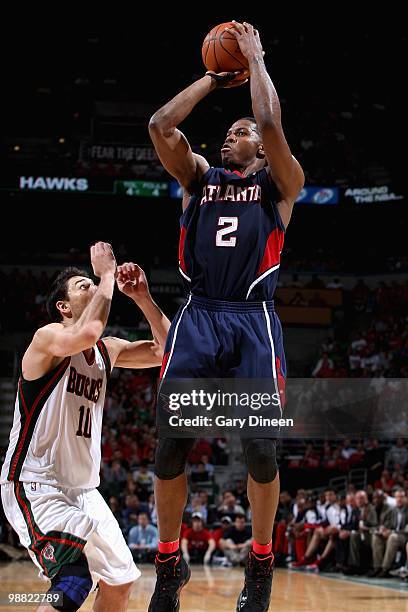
pixel 373 452
pixel 229 506
pixel 311 458
pixel 328 345
pixel 348 522
pixel 219 532
pixel 208 510
pixel 115 508
pixel 284 515
pixel 115 478
pixel 240 493
pixel 301 494
pixel 221 451
pixel 360 539
pixel 386 482
pixel 397 455
pixel 324 367
pixel 347 450
pixel 197 543
pixel 151 505
pixel 198 505
pixel 284 510
pixel 209 468
pixel 392 536
pixel 390 499
pixel 354 360
pixel 132 506
pixel 144 479
pixel 326 533
pixel 143 539
pixel 300 528
pixel 201 447
pixel 200 474
pixel 237 541
pixel 381 506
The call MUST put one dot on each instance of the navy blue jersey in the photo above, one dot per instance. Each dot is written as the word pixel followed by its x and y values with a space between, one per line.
pixel 231 237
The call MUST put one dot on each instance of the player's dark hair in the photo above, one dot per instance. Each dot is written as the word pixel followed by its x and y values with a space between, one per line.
pixel 252 120
pixel 59 291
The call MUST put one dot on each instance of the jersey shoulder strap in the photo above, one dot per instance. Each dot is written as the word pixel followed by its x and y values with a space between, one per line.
pixel 105 356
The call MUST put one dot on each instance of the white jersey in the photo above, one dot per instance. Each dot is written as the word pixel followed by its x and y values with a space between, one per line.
pixel 56 433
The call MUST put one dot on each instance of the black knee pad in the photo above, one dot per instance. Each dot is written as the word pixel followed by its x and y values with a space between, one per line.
pixel 260 457
pixel 74 581
pixel 171 457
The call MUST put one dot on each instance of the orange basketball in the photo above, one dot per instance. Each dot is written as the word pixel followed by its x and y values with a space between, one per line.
pixel 221 52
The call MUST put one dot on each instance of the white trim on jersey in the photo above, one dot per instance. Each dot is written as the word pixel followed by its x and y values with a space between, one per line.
pixel 184 275
pixel 261 278
pixel 275 377
pixel 175 336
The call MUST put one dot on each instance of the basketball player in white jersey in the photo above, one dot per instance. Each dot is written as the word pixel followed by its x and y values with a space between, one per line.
pixel 51 470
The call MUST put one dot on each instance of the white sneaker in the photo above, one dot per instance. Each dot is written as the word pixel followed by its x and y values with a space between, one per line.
pixel 401 572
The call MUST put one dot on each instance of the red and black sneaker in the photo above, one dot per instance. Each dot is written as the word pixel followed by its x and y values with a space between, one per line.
pixel 256 594
pixel 173 573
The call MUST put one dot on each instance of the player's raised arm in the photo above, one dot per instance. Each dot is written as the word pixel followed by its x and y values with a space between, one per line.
pixel 171 145
pixel 284 169
pixel 131 280
pixel 72 335
pixel 59 341
pixel 104 266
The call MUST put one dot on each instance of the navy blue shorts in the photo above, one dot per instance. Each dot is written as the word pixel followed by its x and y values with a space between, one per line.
pixel 216 339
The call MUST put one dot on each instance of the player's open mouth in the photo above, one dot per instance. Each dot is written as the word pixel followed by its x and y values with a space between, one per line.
pixel 226 148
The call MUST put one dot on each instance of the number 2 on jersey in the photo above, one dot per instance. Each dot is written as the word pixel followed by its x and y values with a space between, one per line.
pixel 231 224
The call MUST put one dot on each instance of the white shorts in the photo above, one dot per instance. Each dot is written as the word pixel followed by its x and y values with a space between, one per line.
pixel 56 525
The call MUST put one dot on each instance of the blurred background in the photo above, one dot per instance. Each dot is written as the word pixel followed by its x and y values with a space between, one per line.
pixel 77 166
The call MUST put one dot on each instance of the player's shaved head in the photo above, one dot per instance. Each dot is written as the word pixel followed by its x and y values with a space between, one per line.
pixel 253 122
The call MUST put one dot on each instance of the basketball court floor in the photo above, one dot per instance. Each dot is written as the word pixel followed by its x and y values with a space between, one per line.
pixel 216 589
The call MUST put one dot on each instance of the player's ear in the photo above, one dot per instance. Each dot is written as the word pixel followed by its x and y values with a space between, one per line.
pixel 64 309
pixel 260 152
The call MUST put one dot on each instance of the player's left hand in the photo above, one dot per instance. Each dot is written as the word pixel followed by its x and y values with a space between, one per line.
pixel 248 39
pixel 131 280
pixel 226 80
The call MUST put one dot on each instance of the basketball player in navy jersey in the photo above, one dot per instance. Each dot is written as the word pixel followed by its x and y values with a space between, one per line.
pixel 232 232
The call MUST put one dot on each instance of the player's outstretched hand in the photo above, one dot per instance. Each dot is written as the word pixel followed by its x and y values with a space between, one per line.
pixel 102 259
pixel 226 80
pixel 248 39
pixel 131 280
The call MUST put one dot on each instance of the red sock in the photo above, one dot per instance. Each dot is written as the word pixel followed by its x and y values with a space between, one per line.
pixel 168 547
pixel 262 549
